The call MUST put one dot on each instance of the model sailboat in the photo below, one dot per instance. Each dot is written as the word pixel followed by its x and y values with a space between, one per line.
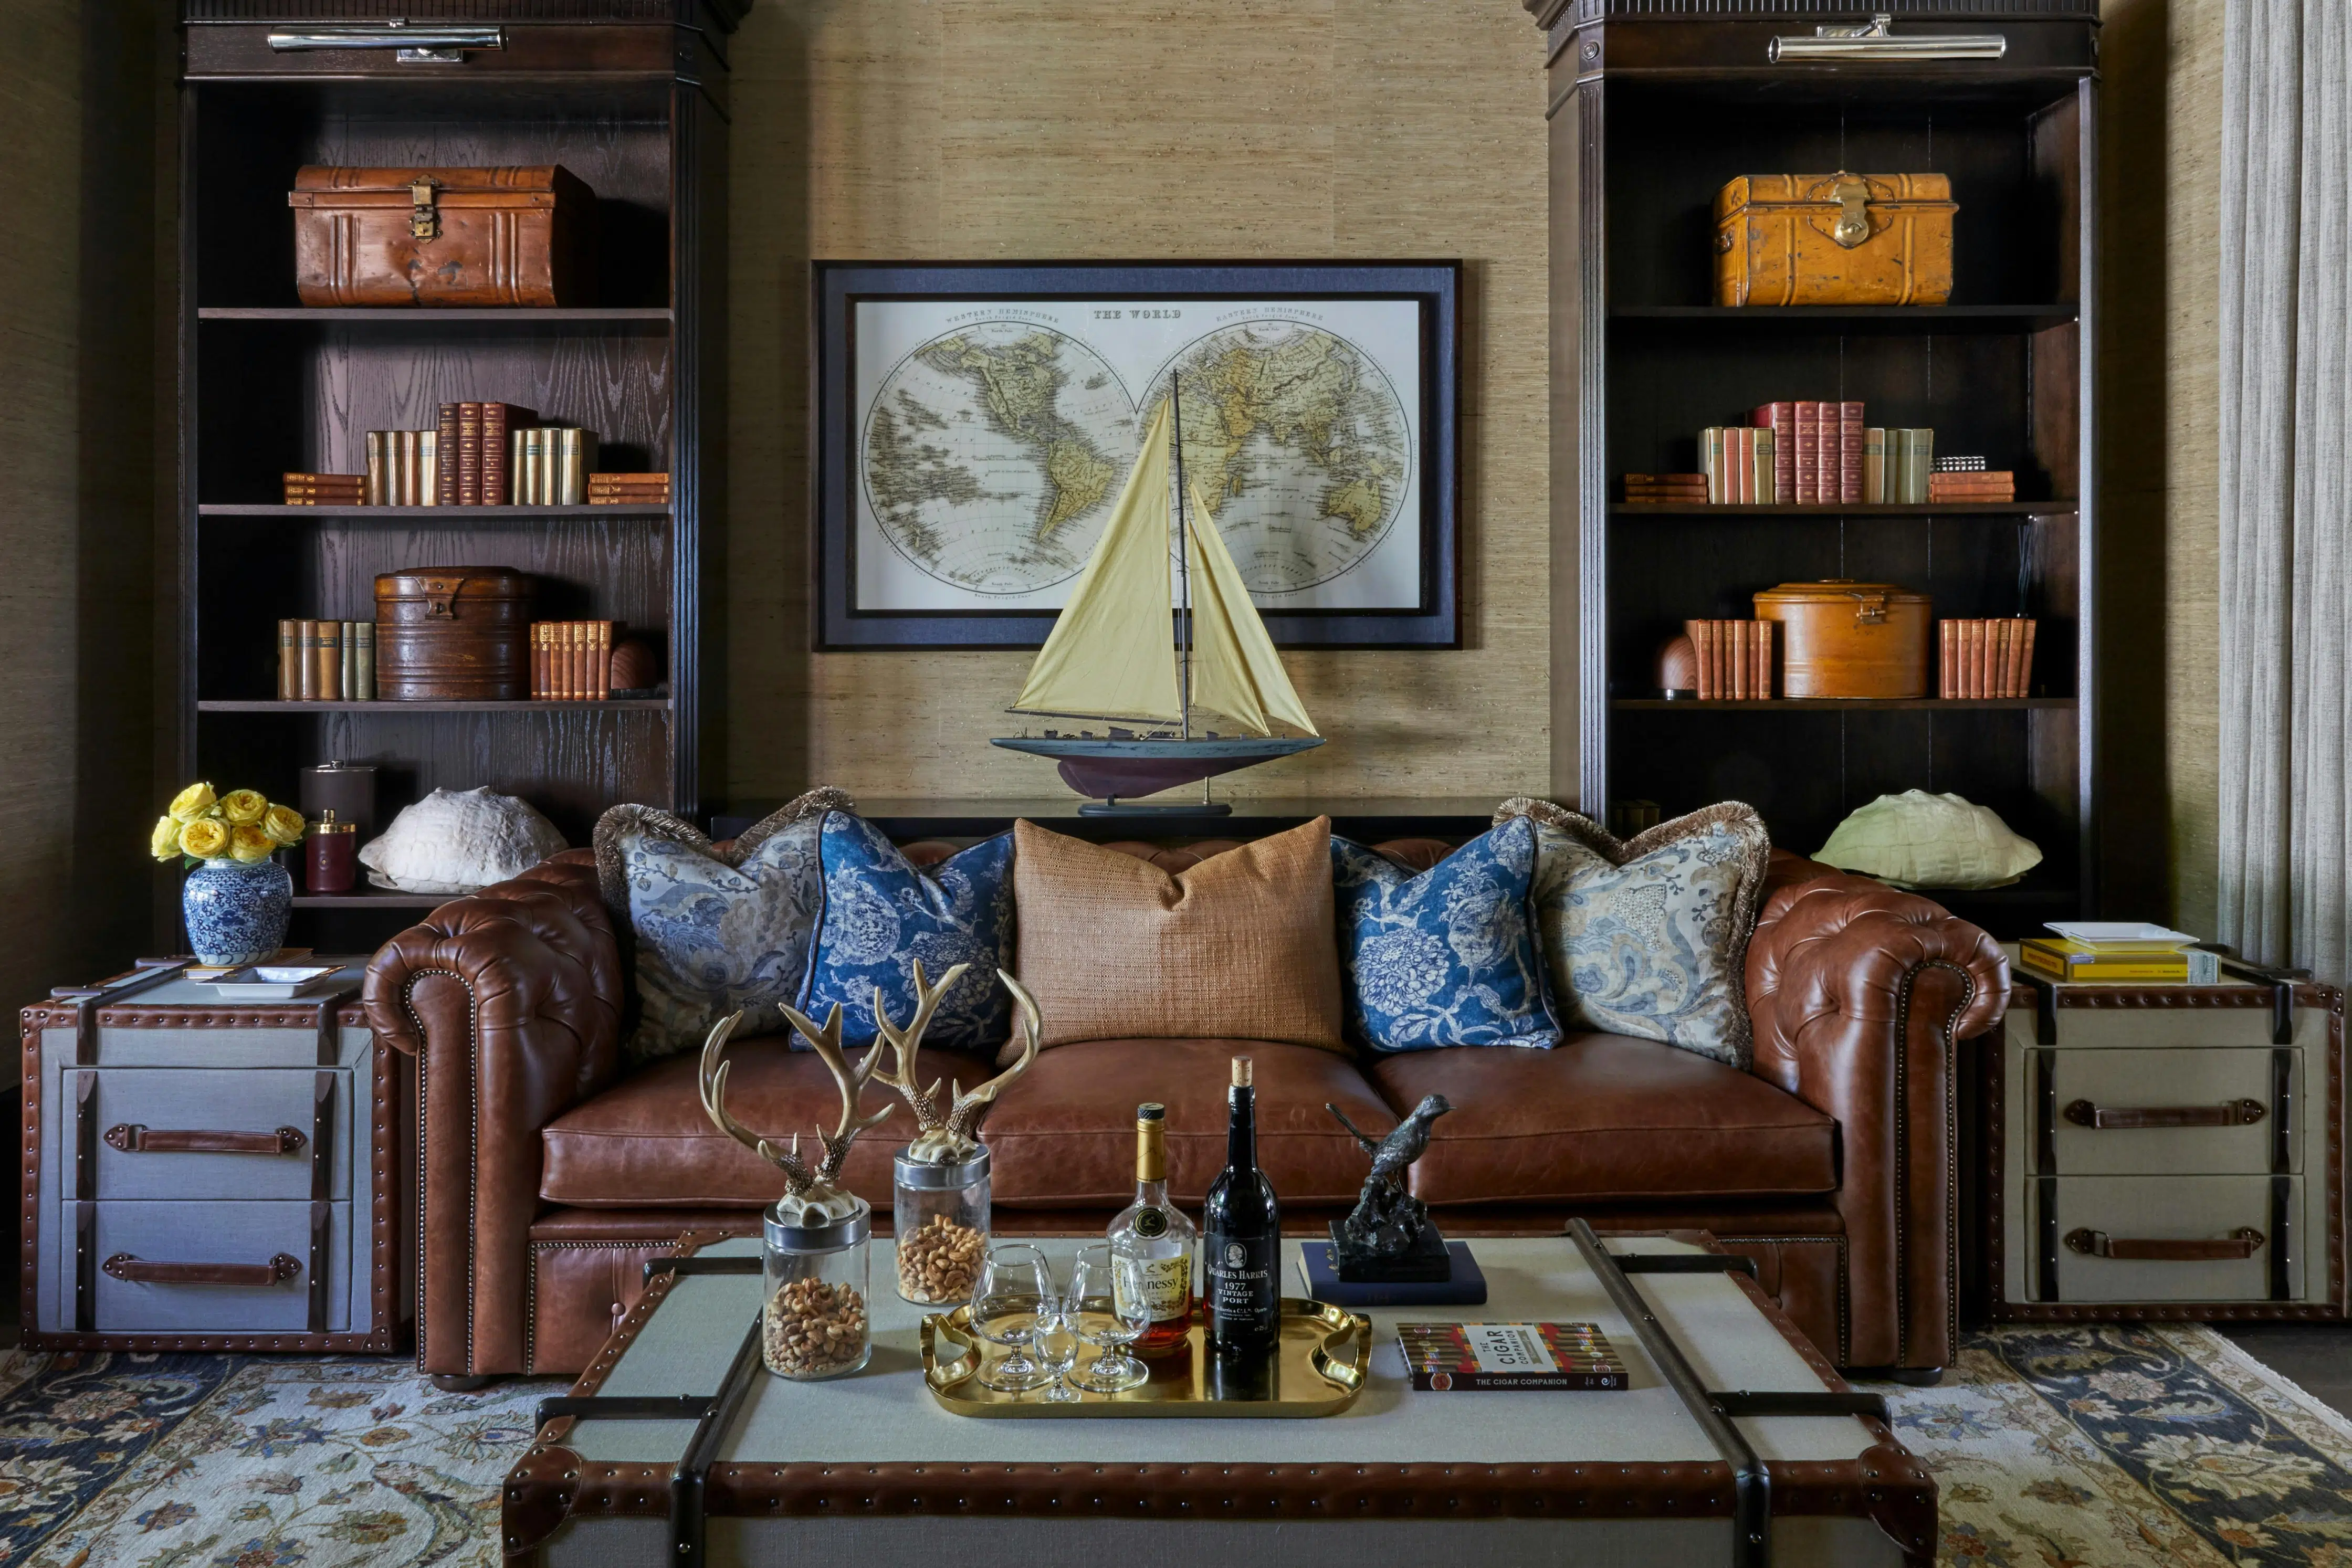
pixel 1120 653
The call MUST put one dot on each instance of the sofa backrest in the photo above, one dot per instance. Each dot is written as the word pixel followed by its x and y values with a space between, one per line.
pixel 1419 854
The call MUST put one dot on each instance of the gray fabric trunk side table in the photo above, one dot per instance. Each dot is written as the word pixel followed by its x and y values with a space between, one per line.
pixel 2165 1151
pixel 205 1176
pixel 870 1468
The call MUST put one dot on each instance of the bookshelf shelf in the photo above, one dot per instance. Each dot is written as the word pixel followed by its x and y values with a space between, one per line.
pixel 1777 509
pixel 258 705
pixel 478 315
pixel 1917 320
pixel 1638 149
pixel 1831 706
pixel 269 386
pixel 457 517
pixel 372 898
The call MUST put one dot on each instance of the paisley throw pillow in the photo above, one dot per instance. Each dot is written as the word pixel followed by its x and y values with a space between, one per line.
pixel 880 912
pixel 712 931
pixel 1648 937
pixel 1447 957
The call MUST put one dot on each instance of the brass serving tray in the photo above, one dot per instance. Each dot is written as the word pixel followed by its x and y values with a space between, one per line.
pixel 1318 1370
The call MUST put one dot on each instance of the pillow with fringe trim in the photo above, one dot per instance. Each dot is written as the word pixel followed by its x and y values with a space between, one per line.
pixel 709 931
pixel 1648 936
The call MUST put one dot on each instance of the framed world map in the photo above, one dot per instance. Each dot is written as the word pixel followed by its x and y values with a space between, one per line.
pixel 974 423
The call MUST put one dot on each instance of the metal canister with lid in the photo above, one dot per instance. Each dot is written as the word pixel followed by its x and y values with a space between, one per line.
pixel 330 856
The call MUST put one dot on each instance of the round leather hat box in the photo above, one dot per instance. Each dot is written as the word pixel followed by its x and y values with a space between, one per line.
pixel 1845 639
pixel 453 633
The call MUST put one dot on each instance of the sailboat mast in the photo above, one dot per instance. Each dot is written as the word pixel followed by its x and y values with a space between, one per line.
pixel 1183 568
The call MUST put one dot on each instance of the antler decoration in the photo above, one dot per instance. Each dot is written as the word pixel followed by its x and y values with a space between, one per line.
pixel 953 1137
pixel 809 1194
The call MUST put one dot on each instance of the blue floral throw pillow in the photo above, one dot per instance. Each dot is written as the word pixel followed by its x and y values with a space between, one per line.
pixel 1447 957
pixel 709 931
pixel 1648 937
pixel 880 912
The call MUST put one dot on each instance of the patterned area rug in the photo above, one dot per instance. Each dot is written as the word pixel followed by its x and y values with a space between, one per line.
pixel 2079 1447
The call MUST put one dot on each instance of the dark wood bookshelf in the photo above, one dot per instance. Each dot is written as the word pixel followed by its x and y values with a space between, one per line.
pixel 271 706
pixel 628 95
pixel 469 315
pixel 1917 320
pixel 1845 509
pixel 456 516
pixel 1832 707
pixel 1652 107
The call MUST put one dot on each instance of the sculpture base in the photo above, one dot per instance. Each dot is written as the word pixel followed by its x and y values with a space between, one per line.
pixel 1426 1262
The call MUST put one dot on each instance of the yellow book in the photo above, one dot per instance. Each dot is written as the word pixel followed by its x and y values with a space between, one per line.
pixel 2064 960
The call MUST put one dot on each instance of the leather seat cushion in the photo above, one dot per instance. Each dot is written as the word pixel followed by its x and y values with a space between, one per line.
pixel 1063 1134
pixel 1605 1116
pixel 645 1142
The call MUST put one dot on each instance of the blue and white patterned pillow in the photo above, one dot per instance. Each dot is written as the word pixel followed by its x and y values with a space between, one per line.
pixel 712 931
pixel 1649 937
pixel 881 913
pixel 1447 957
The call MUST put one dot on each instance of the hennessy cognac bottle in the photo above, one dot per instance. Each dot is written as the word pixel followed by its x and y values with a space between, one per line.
pixel 1151 1242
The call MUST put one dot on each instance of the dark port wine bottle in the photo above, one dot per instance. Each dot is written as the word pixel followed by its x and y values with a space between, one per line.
pixel 1241 1236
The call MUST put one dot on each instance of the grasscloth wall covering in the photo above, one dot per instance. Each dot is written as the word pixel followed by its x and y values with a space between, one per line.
pixel 76 345
pixel 1184 128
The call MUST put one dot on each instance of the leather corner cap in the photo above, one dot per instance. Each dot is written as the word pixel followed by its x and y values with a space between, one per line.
pixel 1064 1134
pixel 1606 1117
pixel 1237 947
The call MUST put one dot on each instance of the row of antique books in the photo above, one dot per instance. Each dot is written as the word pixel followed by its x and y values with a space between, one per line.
pixel 1817 461
pixel 571 661
pixel 1951 486
pixel 326 661
pixel 412 464
pixel 1734 659
pixel 1985 658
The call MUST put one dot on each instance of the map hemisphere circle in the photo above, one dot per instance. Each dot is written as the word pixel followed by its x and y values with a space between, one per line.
pixel 1300 443
pixel 991 456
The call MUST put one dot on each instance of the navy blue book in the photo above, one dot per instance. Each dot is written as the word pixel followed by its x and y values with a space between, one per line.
pixel 1467 1289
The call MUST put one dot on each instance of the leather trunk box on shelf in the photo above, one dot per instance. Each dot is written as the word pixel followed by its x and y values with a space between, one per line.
pixel 1834 239
pixel 453 633
pixel 202 1177
pixel 442 236
pixel 2165 1151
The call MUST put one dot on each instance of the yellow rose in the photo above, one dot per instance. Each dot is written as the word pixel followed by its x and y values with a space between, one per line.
pixel 243 808
pixel 283 824
pixel 249 845
pixel 206 838
pixel 191 802
pixel 164 843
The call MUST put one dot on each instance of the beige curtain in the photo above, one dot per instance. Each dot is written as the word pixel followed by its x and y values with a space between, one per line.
pixel 2286 502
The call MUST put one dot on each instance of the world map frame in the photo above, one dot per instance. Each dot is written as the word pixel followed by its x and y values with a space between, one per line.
pixel 839 623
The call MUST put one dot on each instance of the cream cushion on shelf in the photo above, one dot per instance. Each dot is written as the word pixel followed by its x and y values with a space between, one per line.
pixel 1239 946
pixel 1918 839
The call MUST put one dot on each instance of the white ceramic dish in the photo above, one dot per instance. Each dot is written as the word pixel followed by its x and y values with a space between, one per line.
pixel 270 982
pixel 2120 933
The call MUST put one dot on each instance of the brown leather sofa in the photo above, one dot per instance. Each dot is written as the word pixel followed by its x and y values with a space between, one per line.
pixel 549 1171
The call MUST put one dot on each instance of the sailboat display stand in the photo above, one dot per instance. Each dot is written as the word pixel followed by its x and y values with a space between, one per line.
pixel 1133 648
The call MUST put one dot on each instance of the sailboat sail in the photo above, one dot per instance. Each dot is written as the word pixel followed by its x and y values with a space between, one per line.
pixel 1111 654
pixel 1235 671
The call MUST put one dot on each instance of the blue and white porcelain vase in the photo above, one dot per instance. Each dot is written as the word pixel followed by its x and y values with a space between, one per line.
pixel 236 912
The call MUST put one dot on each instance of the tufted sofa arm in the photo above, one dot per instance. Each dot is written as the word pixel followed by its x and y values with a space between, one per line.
pixel 510 1001
pixel 1859 994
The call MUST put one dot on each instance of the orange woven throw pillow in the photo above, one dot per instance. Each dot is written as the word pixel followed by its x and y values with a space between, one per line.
pixel 1239 946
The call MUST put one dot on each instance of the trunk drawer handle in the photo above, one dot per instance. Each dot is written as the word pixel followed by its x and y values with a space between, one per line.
pixel 2230 1114
pixel 133 1138
pixel 2243 1243
pixel 276 1271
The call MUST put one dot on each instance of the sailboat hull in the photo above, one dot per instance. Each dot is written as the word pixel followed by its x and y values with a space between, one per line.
pixel 1120 768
